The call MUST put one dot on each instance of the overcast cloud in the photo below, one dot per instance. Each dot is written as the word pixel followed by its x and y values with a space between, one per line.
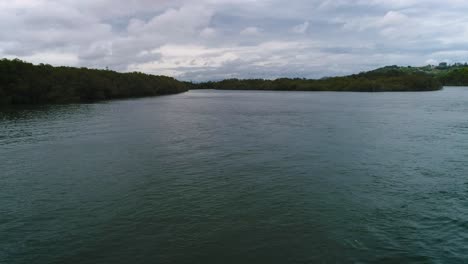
pixel 215 39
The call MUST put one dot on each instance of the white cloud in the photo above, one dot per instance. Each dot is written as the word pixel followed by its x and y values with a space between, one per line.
pixel 301 28
pixel 250 31
pixel 173 22
pixel 393 18
pixel 208 32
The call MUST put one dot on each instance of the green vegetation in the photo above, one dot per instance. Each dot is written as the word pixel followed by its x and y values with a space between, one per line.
pixel 448 75
pixel 381 80
pixel 456 77
pixel 25 83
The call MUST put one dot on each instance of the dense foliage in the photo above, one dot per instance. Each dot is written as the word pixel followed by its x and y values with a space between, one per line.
pixel 381 80
pixel 25 83
pixel 457 77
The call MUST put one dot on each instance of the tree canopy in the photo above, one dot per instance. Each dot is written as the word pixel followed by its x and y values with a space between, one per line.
pixel 382 80
pixel 456 77
pixel 25 83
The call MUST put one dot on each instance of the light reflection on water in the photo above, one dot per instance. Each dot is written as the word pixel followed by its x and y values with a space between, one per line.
pixel 237 176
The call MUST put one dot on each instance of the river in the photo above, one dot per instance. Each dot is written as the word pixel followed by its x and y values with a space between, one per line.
pixel 238 177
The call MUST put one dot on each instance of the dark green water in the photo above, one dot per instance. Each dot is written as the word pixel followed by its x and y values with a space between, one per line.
pixel 238 177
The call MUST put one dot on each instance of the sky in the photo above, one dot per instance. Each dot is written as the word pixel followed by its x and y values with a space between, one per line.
pixel 201 40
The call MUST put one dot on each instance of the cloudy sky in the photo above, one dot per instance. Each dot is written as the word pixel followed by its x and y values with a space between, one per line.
pixel 214 39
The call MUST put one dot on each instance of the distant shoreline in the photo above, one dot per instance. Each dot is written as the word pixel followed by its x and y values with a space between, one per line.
pixel 23 83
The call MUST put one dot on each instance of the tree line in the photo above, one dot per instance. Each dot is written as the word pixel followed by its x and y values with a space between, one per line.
pixel 456 77
pixel 381 80
pixel 25 83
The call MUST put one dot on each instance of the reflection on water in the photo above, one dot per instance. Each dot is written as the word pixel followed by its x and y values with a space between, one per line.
pixel 34 123
pixel 42 112
pixel 237 177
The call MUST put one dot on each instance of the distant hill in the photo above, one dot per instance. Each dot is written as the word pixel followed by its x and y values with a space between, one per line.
pixel 448 75
pixel 25 83
pixel 387 79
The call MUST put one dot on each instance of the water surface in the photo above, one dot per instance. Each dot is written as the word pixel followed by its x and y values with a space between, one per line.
pixel 238 177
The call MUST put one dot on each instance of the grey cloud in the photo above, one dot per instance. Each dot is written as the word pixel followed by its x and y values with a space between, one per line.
pixel 215 39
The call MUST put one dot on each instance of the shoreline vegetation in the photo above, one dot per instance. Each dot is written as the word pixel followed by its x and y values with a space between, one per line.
pixel 381 80
pixel 26 83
